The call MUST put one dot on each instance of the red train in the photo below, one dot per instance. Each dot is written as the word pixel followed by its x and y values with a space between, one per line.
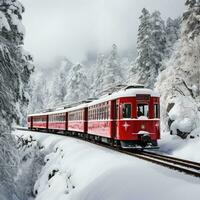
pixel 128 118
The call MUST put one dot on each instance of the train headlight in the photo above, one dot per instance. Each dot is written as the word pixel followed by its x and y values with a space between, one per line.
pixel 142 126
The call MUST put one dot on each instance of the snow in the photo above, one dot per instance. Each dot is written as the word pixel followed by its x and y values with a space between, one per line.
pixel 125 93
pixel 79 170
pixel 175 146
pixel 185 115
pixel 18 23
pixel 4 22
pixel 143 118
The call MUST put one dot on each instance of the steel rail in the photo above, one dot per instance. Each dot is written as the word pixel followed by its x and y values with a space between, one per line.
pixel 183 162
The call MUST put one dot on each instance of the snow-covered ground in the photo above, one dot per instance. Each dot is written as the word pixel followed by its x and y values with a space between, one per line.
pixel 79 170
pixel 175 146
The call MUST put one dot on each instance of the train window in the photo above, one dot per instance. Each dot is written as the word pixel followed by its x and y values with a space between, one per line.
pixel 116 111
pixel 107 112
pixel 97 113
pixel 126 110
pixel 142 110
pixel 156 111
pixel 104 113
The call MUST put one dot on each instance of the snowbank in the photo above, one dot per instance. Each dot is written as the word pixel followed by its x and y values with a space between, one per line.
pixel 79 170
pixel 185 116
pixel 175 146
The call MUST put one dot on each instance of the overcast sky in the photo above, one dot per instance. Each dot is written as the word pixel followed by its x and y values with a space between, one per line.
pixel 72 28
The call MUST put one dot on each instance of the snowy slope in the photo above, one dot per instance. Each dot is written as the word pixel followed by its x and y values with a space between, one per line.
pixel 79 170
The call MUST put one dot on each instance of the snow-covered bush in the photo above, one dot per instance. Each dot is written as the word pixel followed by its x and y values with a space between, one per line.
pixel 31 161
pixel 184 116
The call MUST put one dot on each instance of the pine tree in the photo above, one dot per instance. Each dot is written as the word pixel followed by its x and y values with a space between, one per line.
pixel 97 84
pixel 77 85
pixel 151 47
pixel 158 39
pixel 144 42
pixel 191 26
pixel 112 74
pixel 39 94
pixel 190 3
pixel 15 70
pixel 172 34
pixel 109 71
pixel 59 86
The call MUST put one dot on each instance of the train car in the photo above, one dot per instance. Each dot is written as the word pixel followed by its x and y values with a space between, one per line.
pixel 39 121
pixel 100 118
pixel 58 121
pixel 129 117
pixel 77 118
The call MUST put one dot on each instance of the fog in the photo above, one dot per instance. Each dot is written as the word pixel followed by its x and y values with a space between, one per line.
pixel 74 28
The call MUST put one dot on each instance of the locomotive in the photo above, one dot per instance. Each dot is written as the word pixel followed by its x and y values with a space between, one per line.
pixel 128 118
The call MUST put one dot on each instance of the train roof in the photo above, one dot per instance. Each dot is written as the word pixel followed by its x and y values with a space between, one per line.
pixel 129 91
pixel 60 111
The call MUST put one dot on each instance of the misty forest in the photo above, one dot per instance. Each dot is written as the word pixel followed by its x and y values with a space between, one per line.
pixel 166 59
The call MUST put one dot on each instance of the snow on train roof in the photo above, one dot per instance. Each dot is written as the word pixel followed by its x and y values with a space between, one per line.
pixel 60 111
pixel 125 93
pixel 132 92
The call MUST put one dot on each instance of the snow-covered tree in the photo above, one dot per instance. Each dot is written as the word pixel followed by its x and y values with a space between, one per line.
pixel 15 70
pixel 112 70
pixel 77 85
pixel 108 71
pixel 158 40
pixel 39 94
pixel 172 34
pixel 151 43
pixel 191 19
pixel 97 84
pixel 179 83
pixel 190 3
pixel 59 86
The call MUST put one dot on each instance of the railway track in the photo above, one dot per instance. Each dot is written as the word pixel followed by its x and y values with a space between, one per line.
pixel 181 165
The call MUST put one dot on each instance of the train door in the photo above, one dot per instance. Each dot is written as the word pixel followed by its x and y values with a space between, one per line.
pixel 66 121
pixel 85 119
pixel 114 112
pixel 31 122
pixel 47 121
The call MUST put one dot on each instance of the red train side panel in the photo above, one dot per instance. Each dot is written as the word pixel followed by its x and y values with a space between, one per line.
pixel 77 120
pixel 99 122
pixel 57 121
pixel 40 122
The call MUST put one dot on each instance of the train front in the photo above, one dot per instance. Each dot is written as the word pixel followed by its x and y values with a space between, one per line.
pixel 138 124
